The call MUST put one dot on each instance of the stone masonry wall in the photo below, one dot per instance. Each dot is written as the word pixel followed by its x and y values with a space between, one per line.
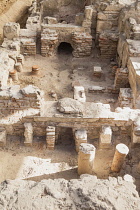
pixel 16 104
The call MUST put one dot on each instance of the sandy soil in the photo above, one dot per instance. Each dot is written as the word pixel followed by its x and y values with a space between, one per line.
pixel 80 194
pixel 57 74
pixel 37 163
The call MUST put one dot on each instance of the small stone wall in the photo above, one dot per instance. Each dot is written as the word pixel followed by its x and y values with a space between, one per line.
pixel 82 43
pixel 16 104
pixel 49 42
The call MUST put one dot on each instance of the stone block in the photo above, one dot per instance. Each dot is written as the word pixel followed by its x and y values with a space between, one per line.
pixel 50 20
pixel 28 134
pixel 79 93
pixel 97 71
pixel 105 137
pixel 80 136
pixel 11 30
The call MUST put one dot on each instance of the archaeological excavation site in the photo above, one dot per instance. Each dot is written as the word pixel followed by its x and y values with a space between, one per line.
pixel 70 104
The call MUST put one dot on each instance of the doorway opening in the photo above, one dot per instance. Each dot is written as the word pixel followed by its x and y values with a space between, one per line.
pixel 65 48
pixel 66 138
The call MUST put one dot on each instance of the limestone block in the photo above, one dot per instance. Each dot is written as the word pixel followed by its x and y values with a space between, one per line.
pixel 18 67
pixel 70 106
pixel 2 137
pixel 105 137
pixel 28 134
pixel 86 158
pixel 97 72
pixel 79 93
pixel 136 131
pixel 50 137
pixel 80 136
pixel 11 30
pixel 97 89
pixel 50 20
pixel 88 12
pixel 79 19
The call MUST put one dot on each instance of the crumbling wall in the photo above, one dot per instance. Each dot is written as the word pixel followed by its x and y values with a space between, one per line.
pixel 11 12
pixel 64 10
pixel 16 104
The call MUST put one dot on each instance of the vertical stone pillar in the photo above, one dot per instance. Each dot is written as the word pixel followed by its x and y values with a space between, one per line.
pixel 28 134
pixel 135 133
pixel 50 137
pixel 2 137
pixel 13 74
pixel 80 136
pixel 105 137
pixel 20 59
pixel 86 158
pixel 119 157
pixel 18 67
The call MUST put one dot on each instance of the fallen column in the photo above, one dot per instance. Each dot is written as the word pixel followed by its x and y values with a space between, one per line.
pixel 105 137
pixel 80 136
pixel 50 137
pixel 119 157
pixel 28 134
pixel 86 158
pixel 2 137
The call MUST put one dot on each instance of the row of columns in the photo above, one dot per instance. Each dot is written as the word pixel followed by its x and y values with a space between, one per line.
pixel 86 157
pixel 50 136
pixel 86 152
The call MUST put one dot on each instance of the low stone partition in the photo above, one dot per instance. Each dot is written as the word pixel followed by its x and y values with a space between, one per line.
pixel 16 103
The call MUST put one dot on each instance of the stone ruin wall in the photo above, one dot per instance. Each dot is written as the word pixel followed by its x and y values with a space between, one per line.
pixel 24 41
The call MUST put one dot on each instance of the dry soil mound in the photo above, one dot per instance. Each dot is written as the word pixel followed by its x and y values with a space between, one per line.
pixel 87 193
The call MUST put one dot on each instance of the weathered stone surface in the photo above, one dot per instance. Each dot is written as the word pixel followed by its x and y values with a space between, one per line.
pixel 63 194
pixel 11 30
pixel 70 106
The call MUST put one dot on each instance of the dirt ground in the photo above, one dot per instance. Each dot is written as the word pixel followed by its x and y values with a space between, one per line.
pixel 37 163
pixel 57 74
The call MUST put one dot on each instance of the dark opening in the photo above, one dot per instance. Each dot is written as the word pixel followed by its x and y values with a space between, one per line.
pixel 65 48
pixel 65 137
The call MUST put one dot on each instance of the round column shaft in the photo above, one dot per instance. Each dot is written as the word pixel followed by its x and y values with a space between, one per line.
pixel 119 157
pixel 86 158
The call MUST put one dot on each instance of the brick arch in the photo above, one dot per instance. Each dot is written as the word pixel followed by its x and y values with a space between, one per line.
pixel 65 47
